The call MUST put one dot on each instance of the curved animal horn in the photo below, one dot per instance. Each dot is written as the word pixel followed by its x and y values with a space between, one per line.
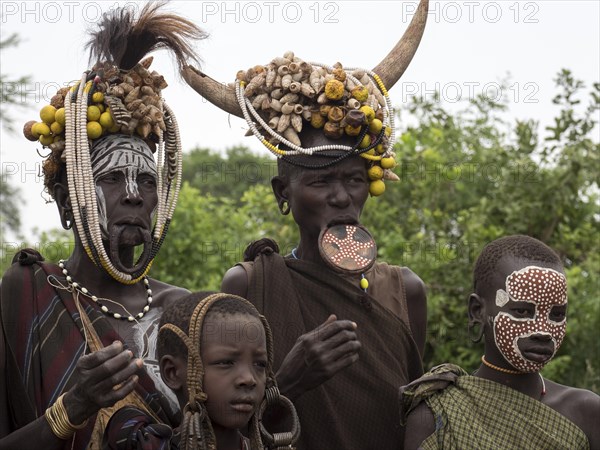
pixel 217 93
pixel 391 68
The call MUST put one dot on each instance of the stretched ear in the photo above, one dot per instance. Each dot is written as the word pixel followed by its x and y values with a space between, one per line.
pixel 279 185
pixel 63 203
pixel 476 309
pixel 173 371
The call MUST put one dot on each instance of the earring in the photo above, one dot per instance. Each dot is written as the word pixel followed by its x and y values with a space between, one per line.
pixel 275 441
pixel 470 328
pixel 284 207
pixel 66 219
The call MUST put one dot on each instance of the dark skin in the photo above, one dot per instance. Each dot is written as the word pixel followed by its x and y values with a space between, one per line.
pixel 321 198
pixel 234 368
pixel 98 373
pixel 580 406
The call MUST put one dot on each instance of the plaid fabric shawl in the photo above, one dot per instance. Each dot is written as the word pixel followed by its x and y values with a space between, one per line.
pixel 357 409
pixel 475 413
pixel 44 339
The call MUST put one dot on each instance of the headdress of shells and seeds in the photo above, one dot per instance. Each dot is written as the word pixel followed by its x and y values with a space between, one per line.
pixel 282 97
pixel 119 95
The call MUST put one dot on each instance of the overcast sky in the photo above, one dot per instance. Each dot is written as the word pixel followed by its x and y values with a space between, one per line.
pixel 468 46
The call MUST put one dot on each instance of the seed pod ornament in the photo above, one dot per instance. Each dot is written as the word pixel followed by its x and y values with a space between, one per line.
pixel 117 105
pixel 349 89
pixel 288 94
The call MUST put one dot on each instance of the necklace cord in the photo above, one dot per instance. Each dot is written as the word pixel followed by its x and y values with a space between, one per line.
pixel 511 372
pixel 76 290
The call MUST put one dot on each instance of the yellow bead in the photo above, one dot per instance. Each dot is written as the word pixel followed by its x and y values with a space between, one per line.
pixel 375 173
pixel 97 97
pixel 376 188
pixel 388 163
pixel 364 283
pixel 94 130
pixel 47 114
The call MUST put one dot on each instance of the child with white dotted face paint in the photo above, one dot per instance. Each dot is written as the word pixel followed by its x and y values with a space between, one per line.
pixel 531 322
pixel 518 307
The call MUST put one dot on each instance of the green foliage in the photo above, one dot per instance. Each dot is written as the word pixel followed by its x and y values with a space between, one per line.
pixel 209 235
pixel 467 179
pixel 54 244
pixel 228 175
pixel 10 96
pixel 9 211
pixel 226 203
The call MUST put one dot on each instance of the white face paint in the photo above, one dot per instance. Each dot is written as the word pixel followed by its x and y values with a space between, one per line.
pixel 501 298
pixel 543 289
pixel 120 153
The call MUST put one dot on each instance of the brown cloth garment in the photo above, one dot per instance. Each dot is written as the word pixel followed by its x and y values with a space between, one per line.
pixel 358 408
pixel 45 337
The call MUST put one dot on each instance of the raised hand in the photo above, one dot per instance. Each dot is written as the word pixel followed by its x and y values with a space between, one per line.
pixel 317 356
pixel 103 378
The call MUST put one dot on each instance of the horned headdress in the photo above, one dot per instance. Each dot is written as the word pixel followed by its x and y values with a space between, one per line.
pixel 282 97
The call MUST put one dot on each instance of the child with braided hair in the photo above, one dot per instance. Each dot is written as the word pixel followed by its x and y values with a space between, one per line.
pixel 216 352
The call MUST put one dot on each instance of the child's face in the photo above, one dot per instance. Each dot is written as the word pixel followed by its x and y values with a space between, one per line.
pixel 234 354
pixel 530 320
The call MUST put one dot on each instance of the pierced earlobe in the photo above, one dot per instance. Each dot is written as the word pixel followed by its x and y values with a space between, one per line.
pixel 66 219
pixel 476 311
pixel 284 207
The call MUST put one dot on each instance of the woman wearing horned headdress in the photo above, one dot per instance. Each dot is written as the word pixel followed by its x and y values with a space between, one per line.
pixel 348 330
pixel 78 338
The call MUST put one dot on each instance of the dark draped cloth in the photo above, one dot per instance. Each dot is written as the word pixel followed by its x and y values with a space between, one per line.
pixel 44 338
pixel 473 412
pixel 131 429
pixel 357 409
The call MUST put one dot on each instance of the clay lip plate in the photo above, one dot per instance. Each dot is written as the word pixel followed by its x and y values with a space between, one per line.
pixel 347 248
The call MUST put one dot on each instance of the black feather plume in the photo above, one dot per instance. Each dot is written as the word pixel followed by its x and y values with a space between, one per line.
pixel 123 40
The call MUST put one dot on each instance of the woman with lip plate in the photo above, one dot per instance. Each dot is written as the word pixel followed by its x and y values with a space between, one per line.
pixel 348 329
pixel 520 309
pixel 77 339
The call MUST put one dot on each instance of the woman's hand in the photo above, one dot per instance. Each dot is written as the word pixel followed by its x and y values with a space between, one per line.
pixel 103 378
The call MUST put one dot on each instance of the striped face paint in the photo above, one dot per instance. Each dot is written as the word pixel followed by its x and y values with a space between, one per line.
pixel 542 297
pixel 120 153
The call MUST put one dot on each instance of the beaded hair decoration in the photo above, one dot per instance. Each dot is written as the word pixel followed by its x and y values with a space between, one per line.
pixel 119 95
pixel 196 429
pixel 279 99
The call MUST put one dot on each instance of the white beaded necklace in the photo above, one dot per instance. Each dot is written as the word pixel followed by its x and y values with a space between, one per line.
pixel 103 308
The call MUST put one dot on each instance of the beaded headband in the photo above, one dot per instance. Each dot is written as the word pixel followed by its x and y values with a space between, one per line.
pixel 119 101
pixel 82 187
pixel 118 96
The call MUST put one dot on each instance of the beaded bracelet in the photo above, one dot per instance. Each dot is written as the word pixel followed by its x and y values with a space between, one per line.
pixel 59 422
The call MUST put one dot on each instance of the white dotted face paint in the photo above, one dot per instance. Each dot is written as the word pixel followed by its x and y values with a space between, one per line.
pixel 540 290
